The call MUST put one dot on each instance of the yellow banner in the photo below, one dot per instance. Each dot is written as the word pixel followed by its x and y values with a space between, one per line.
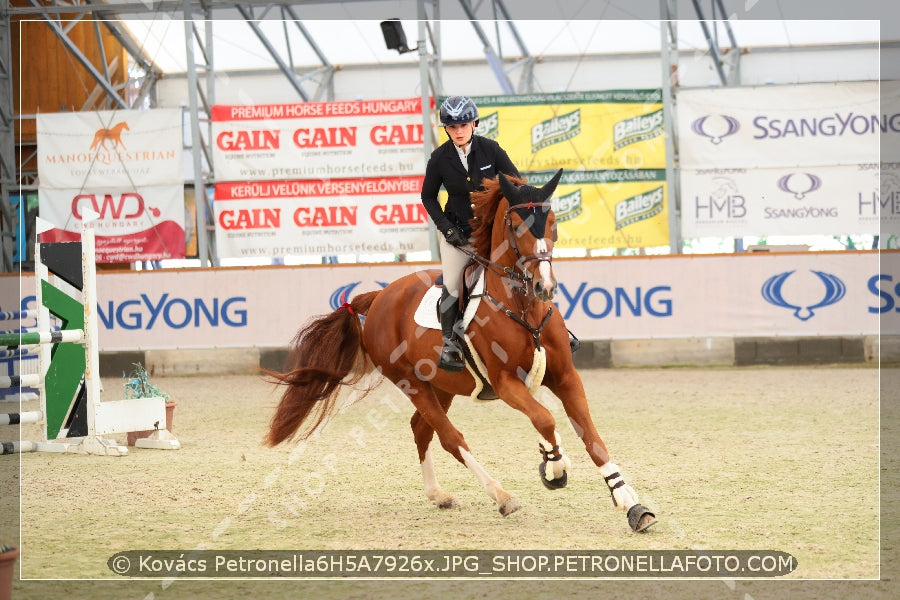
pixel 609 209
pixel 611 145
pixel 618 129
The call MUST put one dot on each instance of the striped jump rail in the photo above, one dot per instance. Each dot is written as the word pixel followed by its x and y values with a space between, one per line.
pixel 36 338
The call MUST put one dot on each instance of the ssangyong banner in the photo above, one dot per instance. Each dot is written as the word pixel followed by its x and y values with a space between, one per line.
pixel 890 164
pixel 143 223
pixel 320 217
pixel 818 124
pixel 786 201
pixel 609 208
pixel 611 145
pixel 318 140
pixel 795 160
pixel 744 295
pixel 104 149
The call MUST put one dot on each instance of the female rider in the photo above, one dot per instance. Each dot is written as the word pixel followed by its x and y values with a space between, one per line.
pixel 459 164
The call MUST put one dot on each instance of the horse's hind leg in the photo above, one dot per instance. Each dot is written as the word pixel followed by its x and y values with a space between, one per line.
pixel 432 408
pixel 424 433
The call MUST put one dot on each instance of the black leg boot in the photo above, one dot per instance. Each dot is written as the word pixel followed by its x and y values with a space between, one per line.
pixel 451 354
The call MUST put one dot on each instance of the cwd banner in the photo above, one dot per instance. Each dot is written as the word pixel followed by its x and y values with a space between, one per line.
pixel 320 217
pixel 142 224
pixel 799 159
pixel 317 140
pixel 611 145
pixel 125 166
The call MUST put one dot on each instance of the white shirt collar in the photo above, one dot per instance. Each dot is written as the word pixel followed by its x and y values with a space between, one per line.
pixel 464 151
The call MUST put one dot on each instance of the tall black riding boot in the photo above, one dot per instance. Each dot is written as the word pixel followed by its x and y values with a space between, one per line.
pixel 451 354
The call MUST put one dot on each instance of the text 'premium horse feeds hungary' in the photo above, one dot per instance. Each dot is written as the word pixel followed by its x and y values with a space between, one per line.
pixel 516 339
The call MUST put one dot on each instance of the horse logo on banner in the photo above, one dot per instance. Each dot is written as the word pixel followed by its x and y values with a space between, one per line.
pixel 113 134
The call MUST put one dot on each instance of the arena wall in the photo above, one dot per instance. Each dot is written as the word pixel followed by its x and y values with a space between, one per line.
pixel 741 309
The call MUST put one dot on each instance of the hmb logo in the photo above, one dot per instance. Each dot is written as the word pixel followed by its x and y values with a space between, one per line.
pixel 724 201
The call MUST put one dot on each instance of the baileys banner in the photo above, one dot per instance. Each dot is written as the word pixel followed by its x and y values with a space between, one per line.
pixel 611 145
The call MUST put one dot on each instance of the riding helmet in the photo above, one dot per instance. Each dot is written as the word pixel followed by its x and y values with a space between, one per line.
pixel 457 110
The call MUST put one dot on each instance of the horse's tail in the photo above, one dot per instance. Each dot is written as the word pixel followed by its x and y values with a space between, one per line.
pixel 326 353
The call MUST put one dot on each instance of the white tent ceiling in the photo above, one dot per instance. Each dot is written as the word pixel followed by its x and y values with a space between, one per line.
pixel 349 41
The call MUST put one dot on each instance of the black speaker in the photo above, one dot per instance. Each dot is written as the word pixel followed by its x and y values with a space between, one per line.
pixel 394 37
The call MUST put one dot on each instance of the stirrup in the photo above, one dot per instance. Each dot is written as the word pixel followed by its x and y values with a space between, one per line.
pixel 451 357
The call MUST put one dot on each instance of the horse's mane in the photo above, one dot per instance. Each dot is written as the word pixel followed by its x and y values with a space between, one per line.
pixel 486 202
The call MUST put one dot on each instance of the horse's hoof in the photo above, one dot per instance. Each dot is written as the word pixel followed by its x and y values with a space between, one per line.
pixel 509 506
pixel 552 484
pixel 448 503
pixel 639 518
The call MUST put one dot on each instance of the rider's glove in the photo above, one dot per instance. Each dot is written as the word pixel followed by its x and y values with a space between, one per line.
pixel 455 236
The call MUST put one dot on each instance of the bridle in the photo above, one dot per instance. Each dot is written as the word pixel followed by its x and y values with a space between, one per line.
pixel 522 261
pixel 518 278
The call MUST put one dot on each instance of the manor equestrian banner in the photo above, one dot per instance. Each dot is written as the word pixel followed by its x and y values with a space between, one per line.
pixel 318 140
pixel 798 159
pixel 118 149
pixel 323 217
pixel 126 166
pixel 611 145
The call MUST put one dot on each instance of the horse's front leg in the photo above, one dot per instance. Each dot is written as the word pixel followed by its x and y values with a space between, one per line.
pixel 570 390
pixel 556 465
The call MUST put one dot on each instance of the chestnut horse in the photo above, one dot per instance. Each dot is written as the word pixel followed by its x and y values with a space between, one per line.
pixel 521 340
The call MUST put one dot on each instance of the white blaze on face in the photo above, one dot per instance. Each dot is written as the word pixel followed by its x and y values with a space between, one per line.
pixel 543 266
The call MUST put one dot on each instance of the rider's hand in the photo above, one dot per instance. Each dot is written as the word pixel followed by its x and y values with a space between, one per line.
pixel 456 237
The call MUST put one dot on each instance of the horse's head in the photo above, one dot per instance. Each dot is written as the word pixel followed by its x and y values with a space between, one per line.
pixel 531 231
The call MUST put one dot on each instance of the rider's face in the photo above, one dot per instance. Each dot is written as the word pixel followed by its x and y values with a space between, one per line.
pixel 460 134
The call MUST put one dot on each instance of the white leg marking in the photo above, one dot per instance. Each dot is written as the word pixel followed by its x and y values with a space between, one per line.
pixel 497 493
pixel 433 490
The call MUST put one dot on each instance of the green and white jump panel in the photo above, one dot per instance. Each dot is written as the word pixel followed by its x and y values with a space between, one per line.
pixel 74 418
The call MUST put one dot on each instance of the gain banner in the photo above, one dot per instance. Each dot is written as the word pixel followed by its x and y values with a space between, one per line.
pixel 316 140
pixel 611 145
pixel 320 217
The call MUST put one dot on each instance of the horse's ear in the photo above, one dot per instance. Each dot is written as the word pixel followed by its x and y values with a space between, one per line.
pixel 510 191
pixel 550 186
